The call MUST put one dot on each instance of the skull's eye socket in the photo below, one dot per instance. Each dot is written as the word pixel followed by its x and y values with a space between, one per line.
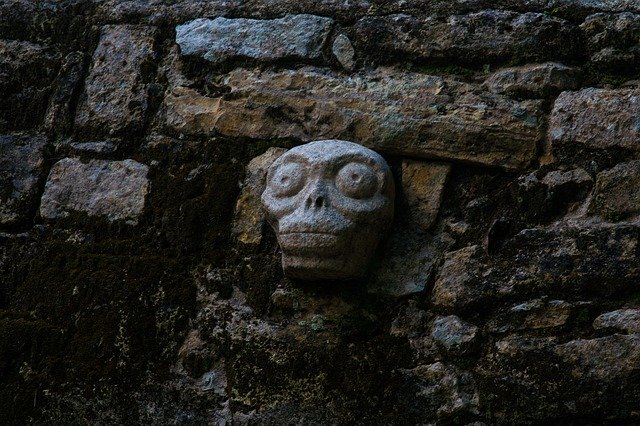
pixel 357 180
pixel 288 180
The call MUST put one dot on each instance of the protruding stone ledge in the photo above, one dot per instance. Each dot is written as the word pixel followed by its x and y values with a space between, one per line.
pixel 115 190
pixel 293 36
pixel 394 112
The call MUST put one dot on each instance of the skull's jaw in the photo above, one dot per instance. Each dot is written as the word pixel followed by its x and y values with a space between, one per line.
pixel 324 268
pixel 316 256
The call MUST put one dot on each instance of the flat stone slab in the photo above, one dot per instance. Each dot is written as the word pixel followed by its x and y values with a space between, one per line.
pixel 293 36
pixel 21 169
pixel 393 112
pixel 410 258
pixel 115 190
pixel 115 95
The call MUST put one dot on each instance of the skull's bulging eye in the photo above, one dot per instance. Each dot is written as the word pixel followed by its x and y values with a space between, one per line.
pixel 288 180
pixel 357 180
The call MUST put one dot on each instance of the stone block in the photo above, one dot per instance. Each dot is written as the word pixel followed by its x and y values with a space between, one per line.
pixel 294 36
pixel 27 71
pixel 612 40
pixel 541 262
pixel 115 98
pixel 454 335
pixel 114 190
pixel 627 320
pixel 596 119
pixel 344 52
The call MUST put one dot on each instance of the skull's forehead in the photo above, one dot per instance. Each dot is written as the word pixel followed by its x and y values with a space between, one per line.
pixel 332 150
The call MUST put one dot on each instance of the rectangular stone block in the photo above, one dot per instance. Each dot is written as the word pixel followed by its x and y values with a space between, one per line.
pixel 394 112
pixel 115 98
pixel 115 190
pixel 293 36
pixel 596 119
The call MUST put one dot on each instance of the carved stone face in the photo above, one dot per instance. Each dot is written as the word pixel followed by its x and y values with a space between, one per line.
pixel 329 202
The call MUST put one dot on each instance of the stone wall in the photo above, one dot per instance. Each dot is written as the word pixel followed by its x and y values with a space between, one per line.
pixel 139 283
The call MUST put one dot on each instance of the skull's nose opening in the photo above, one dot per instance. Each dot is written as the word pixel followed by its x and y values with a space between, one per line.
pixel 316 201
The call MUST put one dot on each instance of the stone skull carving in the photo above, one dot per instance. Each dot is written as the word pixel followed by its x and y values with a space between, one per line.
pixel 329 202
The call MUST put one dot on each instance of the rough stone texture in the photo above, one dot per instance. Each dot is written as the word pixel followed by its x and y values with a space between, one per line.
pixel 575 371
pixel 617 192
pixel 613 40
pixel 454 335
pixel 160 12
pixel 409 259
pixel 26 73
pixel 486 37
pixel 343 51
pixel 567 186
pixel 220 39
pixel 450 391
pixel 458 269
pixel 627 320
pixel 537 314
pixel 115 190
pixel 608 357
pixel 422 188
pixel 571 181
pixel 115 98
pixel 534 81
pixel 249 217
pixel 174 321
pixel 595 119
pixel 552 265
pixel 59 116
pixel 21 170
pixel 330 203
pixel 398 113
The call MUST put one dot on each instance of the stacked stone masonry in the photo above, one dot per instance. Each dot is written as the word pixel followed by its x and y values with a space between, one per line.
pixel 140 282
